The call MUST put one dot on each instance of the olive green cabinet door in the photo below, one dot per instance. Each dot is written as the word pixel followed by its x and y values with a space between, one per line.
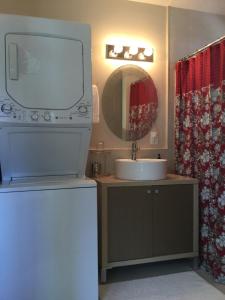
pixel 129 223
pixel 172 219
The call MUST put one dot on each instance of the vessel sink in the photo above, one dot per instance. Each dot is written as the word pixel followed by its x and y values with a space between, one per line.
pixel 141 169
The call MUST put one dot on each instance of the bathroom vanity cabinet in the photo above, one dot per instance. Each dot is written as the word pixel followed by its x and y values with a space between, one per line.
pixel 146 221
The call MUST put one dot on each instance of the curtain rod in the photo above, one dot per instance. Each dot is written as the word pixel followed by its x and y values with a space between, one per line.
pixel 202 49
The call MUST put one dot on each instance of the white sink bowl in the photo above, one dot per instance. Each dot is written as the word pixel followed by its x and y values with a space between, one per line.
pixel 141 169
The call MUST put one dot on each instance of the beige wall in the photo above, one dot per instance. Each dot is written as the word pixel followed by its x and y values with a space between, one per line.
pixel 188 30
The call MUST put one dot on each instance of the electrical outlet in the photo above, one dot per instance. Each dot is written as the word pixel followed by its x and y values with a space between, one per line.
pixel 154 138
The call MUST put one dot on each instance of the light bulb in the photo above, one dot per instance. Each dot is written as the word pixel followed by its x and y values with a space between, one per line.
pixel 127 55
pixel 118 49
pixel 112 54
pixel 133 50
pixel 141 56
pixel 148 51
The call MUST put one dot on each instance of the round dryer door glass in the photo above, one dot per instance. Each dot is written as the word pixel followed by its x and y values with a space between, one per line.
pixel 40 70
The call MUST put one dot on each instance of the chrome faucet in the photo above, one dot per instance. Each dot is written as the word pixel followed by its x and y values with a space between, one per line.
pixel 134 150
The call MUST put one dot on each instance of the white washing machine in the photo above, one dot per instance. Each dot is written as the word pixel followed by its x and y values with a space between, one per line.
pixel 48 209
pixel 48 240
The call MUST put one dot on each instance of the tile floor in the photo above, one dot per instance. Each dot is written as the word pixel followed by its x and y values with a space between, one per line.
pixel 157 269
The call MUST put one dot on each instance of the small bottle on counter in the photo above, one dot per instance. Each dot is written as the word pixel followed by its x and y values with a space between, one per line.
pixel 98 163
pixel 96 169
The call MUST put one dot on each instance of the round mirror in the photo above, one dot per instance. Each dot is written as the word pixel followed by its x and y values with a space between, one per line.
pixel 130 102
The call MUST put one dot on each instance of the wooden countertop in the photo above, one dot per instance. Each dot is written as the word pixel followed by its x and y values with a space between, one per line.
pixel 170 179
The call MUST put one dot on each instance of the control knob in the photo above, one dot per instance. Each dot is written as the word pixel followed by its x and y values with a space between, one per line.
pixel 83 109
pixel 35 116
pixel 47 116
pixel 6 108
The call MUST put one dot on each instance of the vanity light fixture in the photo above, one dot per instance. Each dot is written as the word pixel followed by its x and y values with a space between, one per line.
pixel 129 53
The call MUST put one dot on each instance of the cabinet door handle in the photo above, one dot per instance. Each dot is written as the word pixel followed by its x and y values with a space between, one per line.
pixel 156 191
pixel 149 191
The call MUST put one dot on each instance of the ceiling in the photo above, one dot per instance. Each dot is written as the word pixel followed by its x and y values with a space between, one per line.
pixel 212 6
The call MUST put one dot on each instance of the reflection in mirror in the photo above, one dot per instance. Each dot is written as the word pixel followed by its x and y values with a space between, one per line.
pixel 130 102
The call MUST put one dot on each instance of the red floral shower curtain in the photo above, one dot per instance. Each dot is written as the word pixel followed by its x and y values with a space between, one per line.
pixel 200 146
pixel 143 107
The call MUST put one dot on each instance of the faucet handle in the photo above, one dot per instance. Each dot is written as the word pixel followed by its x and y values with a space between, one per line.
pixel 134 149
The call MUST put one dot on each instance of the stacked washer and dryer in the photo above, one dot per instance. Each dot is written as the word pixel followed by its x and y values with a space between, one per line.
pixel 48 209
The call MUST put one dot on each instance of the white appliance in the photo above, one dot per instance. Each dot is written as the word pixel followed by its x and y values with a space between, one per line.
pixel 48 209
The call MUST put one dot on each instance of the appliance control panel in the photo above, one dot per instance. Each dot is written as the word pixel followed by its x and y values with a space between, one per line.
pixel 14 113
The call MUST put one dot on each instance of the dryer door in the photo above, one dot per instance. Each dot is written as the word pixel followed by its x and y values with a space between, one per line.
pixel 40 69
